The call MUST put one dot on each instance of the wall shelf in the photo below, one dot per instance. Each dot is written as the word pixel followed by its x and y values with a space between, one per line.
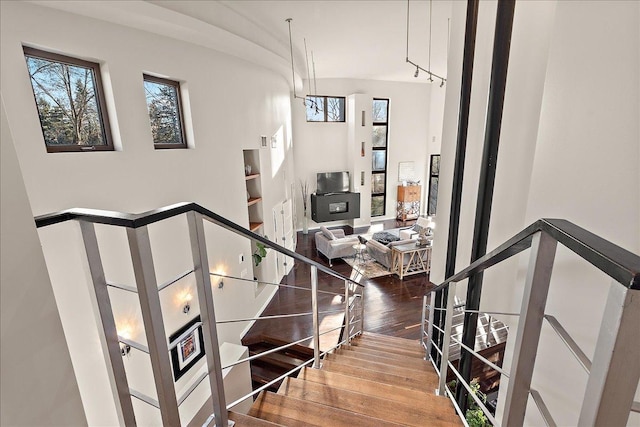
pixel 254 226
pixel 253 200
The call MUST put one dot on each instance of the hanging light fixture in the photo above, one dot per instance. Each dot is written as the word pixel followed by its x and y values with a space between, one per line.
pixel 307 101
pixel 418 67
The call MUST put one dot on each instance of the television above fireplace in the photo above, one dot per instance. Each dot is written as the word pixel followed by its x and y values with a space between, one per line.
pixel 332 182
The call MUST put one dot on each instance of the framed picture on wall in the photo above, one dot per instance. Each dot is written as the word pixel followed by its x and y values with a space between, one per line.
pixel 434 177
pixel 187 347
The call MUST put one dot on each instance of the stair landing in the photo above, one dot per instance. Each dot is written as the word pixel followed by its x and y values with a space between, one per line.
pixel 376 381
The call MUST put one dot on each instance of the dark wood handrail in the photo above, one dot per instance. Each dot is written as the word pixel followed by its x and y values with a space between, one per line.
pixel 129 220
pixel 616 262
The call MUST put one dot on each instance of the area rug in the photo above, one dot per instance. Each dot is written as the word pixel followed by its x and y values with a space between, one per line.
pixel 370 268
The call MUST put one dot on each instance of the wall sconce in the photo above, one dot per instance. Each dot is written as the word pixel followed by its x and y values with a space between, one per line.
pixel 125 332
pixel 185 299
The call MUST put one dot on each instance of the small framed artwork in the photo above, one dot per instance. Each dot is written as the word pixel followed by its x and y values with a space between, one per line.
pixel 189 348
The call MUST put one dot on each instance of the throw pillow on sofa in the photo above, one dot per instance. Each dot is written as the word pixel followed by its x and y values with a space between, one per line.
pixel 326 233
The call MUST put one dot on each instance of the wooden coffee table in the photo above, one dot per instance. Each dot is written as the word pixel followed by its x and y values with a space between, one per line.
pixel 418 262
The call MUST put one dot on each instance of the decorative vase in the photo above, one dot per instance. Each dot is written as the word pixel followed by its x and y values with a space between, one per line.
pixel 305 224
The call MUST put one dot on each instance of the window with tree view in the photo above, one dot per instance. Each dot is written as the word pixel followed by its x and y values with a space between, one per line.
pixel 380 118
pixel 70 102
pixel 325 108
pixel 165 112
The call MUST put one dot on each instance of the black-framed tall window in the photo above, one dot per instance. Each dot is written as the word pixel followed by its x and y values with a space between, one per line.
pixel 165 112
pixel 434 177
pixel 325 108
pixel 379 146
pixel 70 102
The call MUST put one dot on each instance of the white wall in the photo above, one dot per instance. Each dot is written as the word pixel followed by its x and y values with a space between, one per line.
pixel 569 149
pixel 322 147
pixel 230 103
pixel 36 367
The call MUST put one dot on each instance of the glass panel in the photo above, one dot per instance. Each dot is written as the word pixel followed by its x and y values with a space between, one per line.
pixel 67 103
pixel 378 183
pixel 379 136
pixel 379 160
pixel 435 164
pixel 164 113
pixel 335 109
pixel 315 108
pixel 377 205
pixel 433 195
pixel 380 107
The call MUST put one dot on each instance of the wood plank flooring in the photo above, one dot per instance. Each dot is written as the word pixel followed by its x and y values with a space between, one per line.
pixel 393 306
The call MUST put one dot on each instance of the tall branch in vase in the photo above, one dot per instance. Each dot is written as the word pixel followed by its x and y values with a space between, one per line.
pixel 304 190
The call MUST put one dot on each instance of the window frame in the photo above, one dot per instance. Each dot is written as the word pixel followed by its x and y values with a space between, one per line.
pixel 325 98
pixel 101 104
pixel 180 112
pixel 386 157
pixel 432 176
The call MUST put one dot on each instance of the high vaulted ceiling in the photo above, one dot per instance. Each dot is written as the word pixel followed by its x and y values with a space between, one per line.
pixel 349 39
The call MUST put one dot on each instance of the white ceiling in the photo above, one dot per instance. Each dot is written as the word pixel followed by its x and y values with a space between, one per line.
pixel 349 39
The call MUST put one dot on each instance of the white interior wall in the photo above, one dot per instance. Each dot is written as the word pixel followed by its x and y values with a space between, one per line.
pixel 586 170
pixel 35 363
pixel 556 118
pixel 231 103
pixel 322 147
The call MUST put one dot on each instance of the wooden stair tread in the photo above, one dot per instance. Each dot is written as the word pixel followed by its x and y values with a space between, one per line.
pixel 381 367
pixel 381 352
pixel 385 377
pixel 249 421
pixel 401 343
pixel 402 351
pixel 408 362
pixel 377 388
pixel 373 335
pixel 380 408
pixel 291 411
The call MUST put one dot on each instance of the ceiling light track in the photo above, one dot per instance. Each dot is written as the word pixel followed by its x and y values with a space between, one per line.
pixel 418 67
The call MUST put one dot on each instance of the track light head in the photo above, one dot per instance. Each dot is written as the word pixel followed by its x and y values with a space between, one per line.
pixel 430 78
pixel 417 72
pixel 442 83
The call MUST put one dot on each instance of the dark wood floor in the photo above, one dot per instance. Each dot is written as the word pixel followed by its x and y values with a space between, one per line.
pixel 392 306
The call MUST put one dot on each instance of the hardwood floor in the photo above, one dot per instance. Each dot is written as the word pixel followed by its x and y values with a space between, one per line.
pixel 392 306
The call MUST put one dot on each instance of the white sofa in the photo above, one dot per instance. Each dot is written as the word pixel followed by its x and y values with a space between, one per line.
pixel 334 244
pixel 412 232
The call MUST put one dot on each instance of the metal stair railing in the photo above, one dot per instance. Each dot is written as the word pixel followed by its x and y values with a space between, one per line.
pixel 148 291
pixel 614 372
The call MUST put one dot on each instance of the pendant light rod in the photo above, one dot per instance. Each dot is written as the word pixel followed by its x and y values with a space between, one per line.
pixel 293 74
pixel 418 67
pixel 306 55
pixel 315 84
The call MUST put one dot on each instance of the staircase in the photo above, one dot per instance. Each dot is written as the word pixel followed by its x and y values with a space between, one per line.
pixel 377 380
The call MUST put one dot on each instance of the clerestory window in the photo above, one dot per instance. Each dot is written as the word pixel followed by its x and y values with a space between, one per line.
pixel 70 102
pixel 165 112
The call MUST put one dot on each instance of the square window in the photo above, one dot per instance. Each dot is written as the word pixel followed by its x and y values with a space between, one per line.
pixel 379 139
pixel 70 102
pixel 377 205
pixel 165 112
pixel 378 183
pixel 335 109
pixel 380 110
pixel 379 160
pixel 315 108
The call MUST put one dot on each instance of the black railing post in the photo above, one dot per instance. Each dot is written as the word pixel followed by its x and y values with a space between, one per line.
pixel 499 68
pixel 458 170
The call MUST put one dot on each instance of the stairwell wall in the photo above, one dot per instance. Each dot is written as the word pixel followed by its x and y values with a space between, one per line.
pixel 229 103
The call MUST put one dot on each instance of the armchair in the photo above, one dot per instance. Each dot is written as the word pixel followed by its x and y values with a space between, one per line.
pixel 334 244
